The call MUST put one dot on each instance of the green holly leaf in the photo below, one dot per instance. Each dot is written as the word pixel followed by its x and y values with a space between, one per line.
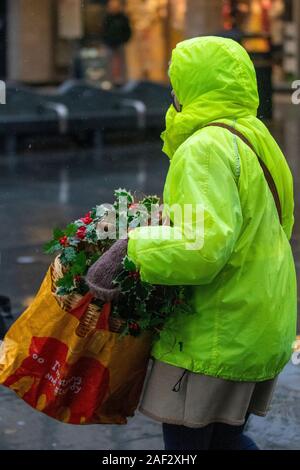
pixel 80 265
pixel 94 213
pixel 71 230
pixel 124 193
pixel 143 291
pixel 63 291
pixel 124 332
pixel 52 247
pixel 120 278
pixel 68 255
pixel 127 285
pixel 91 232
pixel 58 233
pixel 144 323
pixel 150 201
pixel 129 265
pixel 141 309
pixel 93 259
pixel 66 282
pixel 156 321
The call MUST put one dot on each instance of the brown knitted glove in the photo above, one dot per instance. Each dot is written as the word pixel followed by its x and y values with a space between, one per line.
pixel 101 274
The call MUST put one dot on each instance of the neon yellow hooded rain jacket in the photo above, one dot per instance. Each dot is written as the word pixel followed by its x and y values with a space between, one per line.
pixel 243 284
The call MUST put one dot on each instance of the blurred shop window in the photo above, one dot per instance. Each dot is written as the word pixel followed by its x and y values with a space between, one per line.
pixel 70 26
pixel 116 28
pixel 249 23
pixel 258 26
pixel 100 57
pixel 259 22
pixel 288 10
pixel 234 15
pixel 290 41
pixel 268 30
pixel 277 24
pixel 116 31
pixel 91 61
pixel 157 26
pixel 176 24
pixel 3 40
pixel 290 51
pixel 69 32
pixel 94 11
pixel 92 64
pixel 148 51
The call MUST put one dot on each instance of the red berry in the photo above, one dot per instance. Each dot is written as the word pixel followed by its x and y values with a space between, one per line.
pixel 81 233
pixel 64 241
pixel 134 274
pixel 87 219
pixel 134 326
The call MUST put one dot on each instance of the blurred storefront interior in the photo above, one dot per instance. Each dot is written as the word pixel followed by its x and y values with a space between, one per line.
pixel 44 42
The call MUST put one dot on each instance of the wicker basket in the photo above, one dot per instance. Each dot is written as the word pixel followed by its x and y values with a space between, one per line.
pixel 68 302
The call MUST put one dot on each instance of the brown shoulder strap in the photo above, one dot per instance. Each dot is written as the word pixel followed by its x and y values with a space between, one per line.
pixel 265 169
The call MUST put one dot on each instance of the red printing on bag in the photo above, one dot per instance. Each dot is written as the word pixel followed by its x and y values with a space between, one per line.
pixel 74 390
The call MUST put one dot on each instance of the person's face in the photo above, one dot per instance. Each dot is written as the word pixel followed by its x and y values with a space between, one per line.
pixel 176 103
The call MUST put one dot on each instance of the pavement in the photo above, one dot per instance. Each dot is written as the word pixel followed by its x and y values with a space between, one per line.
pixel 47 190
pixel 21 427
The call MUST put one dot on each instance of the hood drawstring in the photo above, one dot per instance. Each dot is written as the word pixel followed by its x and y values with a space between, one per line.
pixel 177 386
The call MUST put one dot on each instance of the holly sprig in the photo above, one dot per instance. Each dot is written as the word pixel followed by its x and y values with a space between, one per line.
pixel 149 305
pixel 141 305
pixel 79 245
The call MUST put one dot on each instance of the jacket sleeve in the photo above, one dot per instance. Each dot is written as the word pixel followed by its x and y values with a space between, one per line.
pixel 196 247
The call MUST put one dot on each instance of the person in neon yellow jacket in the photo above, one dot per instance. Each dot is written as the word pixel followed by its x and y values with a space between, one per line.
pixel 242 279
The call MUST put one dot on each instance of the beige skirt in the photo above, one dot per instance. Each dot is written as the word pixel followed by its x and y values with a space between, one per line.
pixel 173 395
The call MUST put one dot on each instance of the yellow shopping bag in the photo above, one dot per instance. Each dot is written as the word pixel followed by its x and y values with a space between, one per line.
pixel 95 377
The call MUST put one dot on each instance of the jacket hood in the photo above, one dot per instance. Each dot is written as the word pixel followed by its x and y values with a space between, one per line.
pixel 213 78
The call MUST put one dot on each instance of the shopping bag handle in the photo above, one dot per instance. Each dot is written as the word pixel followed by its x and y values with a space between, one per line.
pixel 81 309
pixel 103 320
pixel 82 306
